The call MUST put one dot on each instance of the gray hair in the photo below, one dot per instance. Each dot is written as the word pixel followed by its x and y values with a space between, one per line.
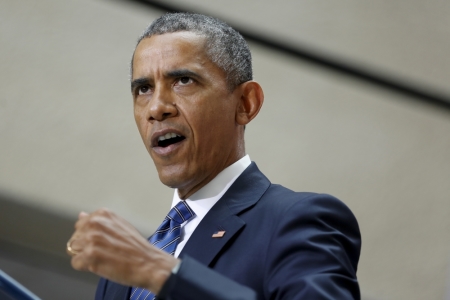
pixel 224 46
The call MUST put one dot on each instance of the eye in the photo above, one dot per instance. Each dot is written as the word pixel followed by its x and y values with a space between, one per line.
pixel 143 89
pixel 185 80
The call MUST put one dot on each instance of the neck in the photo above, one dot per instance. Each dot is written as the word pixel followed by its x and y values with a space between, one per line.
pixel 186 192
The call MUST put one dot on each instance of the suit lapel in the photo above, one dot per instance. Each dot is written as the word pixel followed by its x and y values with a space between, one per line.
pixel 224 216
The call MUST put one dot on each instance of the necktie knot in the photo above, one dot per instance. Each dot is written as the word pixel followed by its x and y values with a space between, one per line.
pixel 168 233
pixel 180 213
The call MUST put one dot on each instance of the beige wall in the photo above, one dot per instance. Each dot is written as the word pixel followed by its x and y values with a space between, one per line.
pixel 69 143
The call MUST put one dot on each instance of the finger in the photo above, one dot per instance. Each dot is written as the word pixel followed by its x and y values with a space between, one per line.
pixel 79 263
pixel 83 219
pixel 93 250
pixel 82 215
pixel 73 248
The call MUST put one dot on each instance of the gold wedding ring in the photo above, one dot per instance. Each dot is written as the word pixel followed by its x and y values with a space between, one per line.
pixel 70 250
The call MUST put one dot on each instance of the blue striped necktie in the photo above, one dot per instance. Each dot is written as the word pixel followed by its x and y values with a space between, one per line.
pixel 166 238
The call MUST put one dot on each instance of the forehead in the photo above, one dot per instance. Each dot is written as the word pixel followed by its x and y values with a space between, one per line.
pixel 170 50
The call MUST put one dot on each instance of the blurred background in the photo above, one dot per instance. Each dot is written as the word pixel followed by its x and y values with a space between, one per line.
pixel 380 143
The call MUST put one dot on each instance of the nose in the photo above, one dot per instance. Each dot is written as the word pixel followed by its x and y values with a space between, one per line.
pixel 161 106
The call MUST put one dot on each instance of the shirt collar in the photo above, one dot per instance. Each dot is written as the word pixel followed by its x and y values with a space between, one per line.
pixel 205 198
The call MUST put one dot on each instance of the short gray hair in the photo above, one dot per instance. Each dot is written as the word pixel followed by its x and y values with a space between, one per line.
pixel 224 46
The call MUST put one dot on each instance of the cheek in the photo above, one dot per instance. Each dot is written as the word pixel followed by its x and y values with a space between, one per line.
pixel 138 121
pixel 213 134
pixel 141 125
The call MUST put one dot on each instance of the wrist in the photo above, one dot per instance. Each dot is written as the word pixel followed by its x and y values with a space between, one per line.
pixel 160 270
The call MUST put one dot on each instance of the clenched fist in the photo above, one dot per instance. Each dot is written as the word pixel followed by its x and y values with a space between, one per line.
pixel 109 246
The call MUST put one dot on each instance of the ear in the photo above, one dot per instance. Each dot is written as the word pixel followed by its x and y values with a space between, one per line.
pixel 250 102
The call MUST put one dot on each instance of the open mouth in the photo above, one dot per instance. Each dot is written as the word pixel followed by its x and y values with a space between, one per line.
pixel 169 139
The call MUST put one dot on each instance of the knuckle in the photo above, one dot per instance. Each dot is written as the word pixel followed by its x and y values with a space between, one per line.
pixel 104 211
pixel 95 238
pixel 95 222
pixel 90 251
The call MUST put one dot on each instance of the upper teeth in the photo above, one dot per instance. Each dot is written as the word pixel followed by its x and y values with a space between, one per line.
pixel 167 136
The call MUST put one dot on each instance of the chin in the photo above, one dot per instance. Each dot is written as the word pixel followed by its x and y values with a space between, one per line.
pixel 172 178
pixel 168 181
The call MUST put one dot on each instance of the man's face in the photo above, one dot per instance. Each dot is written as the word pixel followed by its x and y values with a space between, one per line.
pixel 184 111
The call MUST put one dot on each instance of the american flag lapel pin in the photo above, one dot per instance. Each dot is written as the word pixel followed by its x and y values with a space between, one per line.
pixel 218 234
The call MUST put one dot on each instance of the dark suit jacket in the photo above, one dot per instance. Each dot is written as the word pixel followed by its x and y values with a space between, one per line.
pixel 278 244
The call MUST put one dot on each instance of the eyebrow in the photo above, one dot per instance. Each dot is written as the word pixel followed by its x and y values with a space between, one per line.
pixel 172 74
pixel 182 73
pixel 138 82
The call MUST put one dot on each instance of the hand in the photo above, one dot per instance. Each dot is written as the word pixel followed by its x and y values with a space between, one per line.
pixel 109 246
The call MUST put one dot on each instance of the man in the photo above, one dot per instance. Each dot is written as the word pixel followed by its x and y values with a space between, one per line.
pixel 245 237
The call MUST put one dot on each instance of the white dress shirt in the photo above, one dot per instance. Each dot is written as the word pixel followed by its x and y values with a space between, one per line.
pixel 205 198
